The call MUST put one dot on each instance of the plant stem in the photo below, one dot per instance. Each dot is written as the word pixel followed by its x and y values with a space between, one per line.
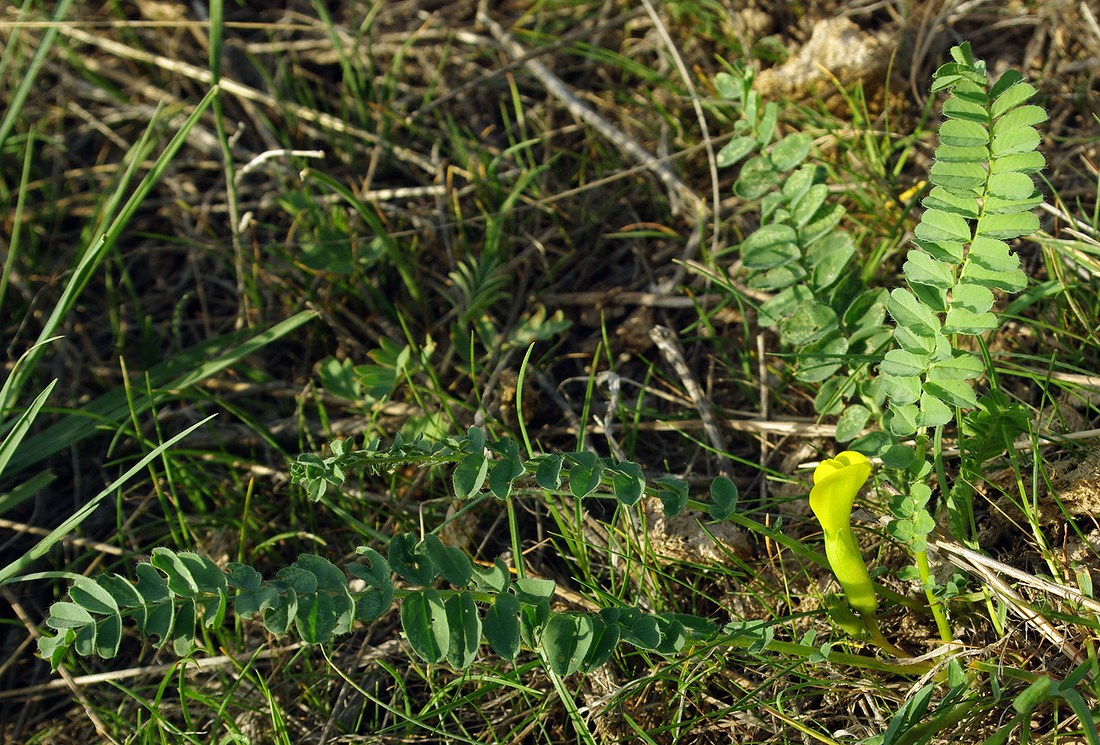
pixel 933 602
pixel 517 547
pixel 880 641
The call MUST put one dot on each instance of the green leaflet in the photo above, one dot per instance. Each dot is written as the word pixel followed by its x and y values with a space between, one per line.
pixel 982 196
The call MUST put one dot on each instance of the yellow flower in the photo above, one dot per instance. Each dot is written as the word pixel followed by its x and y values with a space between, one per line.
pixel 836 483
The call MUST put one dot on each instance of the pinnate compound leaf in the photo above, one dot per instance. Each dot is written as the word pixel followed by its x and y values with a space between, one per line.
pixel 566 639
pixel 409 562
pixel 501 625
pixel 469 475
pixel 465 630
pixel 424 620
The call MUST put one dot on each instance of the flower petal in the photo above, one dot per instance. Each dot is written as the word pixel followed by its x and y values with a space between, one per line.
pixel 836 483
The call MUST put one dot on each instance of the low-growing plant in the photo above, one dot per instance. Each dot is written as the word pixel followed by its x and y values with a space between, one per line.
pixel 982 195
pixel 893 391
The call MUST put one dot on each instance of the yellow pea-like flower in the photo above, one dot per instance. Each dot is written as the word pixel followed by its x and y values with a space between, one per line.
pixel 836 483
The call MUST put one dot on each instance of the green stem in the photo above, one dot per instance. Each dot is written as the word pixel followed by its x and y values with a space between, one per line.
pixel 880 641
pixel 793 649
pixel 933 602
pixel 517 547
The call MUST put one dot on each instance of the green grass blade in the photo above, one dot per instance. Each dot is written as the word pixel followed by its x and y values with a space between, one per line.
pixel 12 570
pixel 113 407
pixel 30 76
pixel 105 239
